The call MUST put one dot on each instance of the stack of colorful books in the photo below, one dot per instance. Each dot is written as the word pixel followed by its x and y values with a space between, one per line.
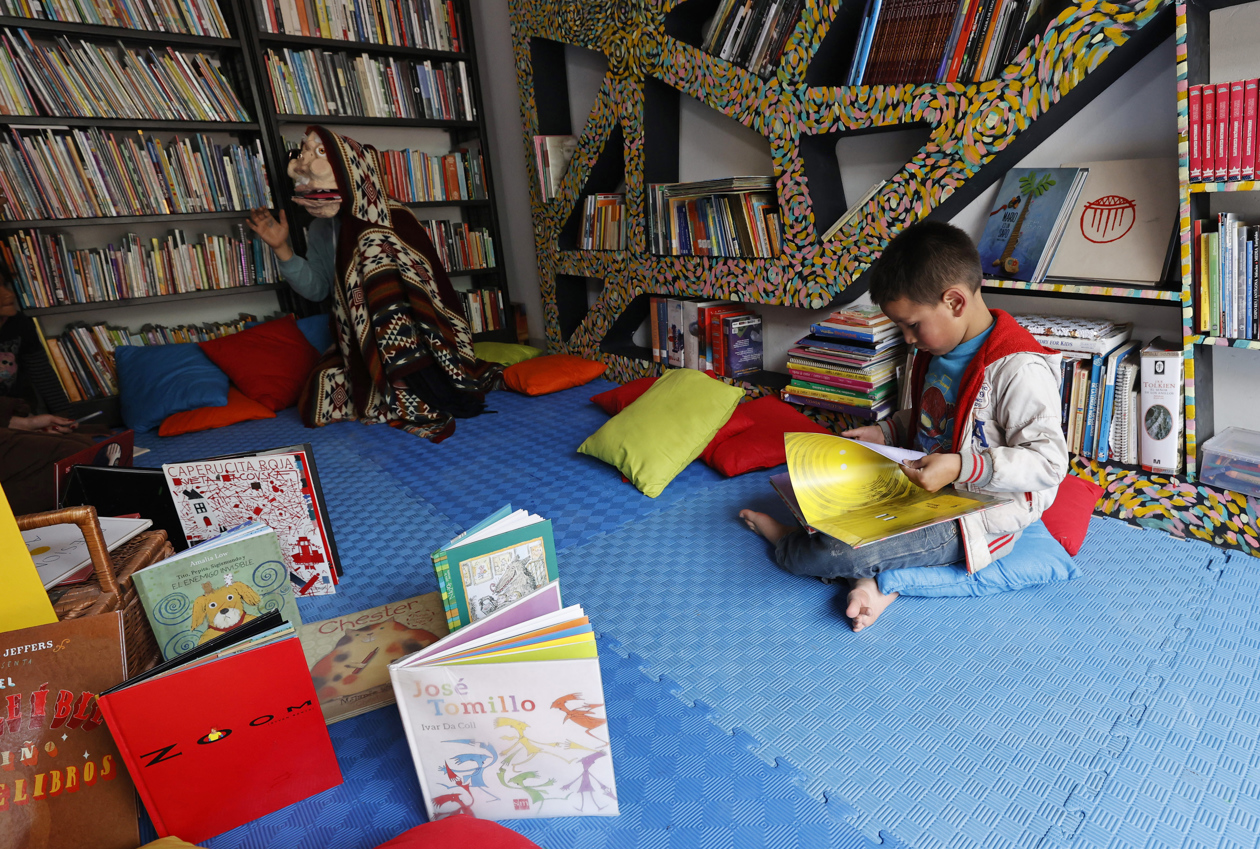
pixel 848 364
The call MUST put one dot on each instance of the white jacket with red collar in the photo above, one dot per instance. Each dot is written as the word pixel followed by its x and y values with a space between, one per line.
pixel 1007 428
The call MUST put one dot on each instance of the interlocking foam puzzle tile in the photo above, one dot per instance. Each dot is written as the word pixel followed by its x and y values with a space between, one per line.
pixel 682 783
pixel 1039 717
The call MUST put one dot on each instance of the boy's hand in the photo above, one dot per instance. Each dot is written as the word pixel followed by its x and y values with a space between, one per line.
pixel 870 433
pixel 274 233
pixel 934 471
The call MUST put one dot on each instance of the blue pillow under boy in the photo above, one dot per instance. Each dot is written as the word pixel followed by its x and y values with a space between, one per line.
pixel 1038 558
pixel 155 381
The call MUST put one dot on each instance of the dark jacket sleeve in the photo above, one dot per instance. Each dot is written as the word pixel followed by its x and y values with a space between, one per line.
pixel 10 407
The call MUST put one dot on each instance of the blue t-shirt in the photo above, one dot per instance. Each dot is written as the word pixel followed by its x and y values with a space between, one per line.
pixel 940 395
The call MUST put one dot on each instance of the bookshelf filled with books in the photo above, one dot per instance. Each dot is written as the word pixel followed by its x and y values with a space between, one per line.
pixel 134 139
pixel 784 70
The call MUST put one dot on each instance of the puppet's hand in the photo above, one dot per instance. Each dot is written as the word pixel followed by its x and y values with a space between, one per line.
pixel 274 233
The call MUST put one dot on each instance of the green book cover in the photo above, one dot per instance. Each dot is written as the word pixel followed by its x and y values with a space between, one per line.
pixel 211 588
pixel 490 573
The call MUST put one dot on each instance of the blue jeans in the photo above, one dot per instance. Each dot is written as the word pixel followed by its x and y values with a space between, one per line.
pixel 821 556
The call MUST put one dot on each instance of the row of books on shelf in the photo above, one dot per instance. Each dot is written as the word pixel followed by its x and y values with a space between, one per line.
pixel 88 80
pixel 93 174
pixel 428 24
pixel 324 82
pixel 1113 221
pixel 1221 131
pixel 723 337
pixel 551 159
pixel 460 247
pixel 849 363
pixel 1225 277
pixel 83 356
pixel 413 176
pixel 603 222
pixel 190 17
pixel 752 33
pixel 1121 401
pixel 731 217
pixel 485 309
pixel 47 272
pixel 943 41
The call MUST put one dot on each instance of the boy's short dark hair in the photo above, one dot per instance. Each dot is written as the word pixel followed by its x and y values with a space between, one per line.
pixel 924 260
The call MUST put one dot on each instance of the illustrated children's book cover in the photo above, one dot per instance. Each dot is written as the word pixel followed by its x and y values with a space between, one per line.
pixel 275 488
pixel 505 718
pixel 349 656
pixel 62 782
pixel 857 492
pixel 211 588
pixel 61 554
pixel 492 564
pixel 225 734
pixel 1021 225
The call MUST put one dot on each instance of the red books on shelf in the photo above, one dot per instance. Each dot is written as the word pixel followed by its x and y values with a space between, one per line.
pixel 1194 131
pixel 1235 130
pixel 224 734
pixel 1249 129
pixel 1208 127
pixel 1221 131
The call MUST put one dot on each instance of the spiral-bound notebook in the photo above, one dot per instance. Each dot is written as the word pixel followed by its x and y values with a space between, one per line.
pixel 1124 426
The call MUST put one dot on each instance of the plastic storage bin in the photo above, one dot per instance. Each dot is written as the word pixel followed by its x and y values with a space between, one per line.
pixel 1231 460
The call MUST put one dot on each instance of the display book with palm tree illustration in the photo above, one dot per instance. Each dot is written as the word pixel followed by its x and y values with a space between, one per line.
pixel 1087 221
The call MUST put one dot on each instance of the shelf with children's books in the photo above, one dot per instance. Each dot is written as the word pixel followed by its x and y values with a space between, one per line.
pixel 93 306
pixel 191 217
pixel 303 41
pixel 1099 291
pixel 355 120
pixel 655 56
pixel 53 122
pixel 125 34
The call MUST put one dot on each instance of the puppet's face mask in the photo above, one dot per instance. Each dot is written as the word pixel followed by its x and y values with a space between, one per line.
pixel 314 186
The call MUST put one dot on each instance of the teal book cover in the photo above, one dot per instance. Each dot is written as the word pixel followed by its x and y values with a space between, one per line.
pixel 1022 220
pixel 491 570
pixel 210 589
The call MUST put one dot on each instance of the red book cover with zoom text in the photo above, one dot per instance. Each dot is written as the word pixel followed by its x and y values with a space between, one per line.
pixel 1249 129
pixel 1194 131
pixel 219 741
pixel 1235 129
pixel 1222 132
pixel 1208 131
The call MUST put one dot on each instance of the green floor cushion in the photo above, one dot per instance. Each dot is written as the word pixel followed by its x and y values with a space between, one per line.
pixel 654 439
pixel 505 353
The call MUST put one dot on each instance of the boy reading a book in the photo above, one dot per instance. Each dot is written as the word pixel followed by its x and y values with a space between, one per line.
pixel 986 410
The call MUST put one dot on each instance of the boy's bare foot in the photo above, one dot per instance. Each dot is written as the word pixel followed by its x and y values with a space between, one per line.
pixel 866 602
pixel 769 527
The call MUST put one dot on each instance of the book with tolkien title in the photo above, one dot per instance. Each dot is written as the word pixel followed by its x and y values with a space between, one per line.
pixel 63 784
pixel 507 555
pixel 505 717
pixel 349 655
pixel 858 493
pixel 214 587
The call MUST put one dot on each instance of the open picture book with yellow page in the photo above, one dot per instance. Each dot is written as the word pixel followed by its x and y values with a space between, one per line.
pixel 858 493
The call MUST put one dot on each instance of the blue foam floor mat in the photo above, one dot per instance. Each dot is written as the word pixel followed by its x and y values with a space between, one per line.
pixel 1115 711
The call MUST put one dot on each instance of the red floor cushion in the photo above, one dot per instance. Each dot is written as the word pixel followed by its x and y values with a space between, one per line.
pixel 460 830
pixel 238 409
pixel 618 398
pixel 1067 519
pixel 761 446
pixel 268 362
pixel 552 373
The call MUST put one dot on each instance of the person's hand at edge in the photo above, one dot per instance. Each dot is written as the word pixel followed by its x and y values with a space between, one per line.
pixel 274 233
pixel 869 433
pixel 933 471
pixel 47 423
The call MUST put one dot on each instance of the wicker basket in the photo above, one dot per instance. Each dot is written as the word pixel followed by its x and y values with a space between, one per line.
pixel 111 587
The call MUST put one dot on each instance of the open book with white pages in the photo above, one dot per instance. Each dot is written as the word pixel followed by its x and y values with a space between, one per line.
pixel 505 716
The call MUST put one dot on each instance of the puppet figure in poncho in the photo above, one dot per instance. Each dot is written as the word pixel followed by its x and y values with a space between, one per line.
pixel 402 352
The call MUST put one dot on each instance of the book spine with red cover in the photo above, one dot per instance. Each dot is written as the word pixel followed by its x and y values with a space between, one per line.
pixel 1235 130
pixel 1194 131
pixel 1250 98
pixel 1208 133
pixel 1222 132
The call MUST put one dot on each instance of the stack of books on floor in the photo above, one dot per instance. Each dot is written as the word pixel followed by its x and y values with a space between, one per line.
pixel 551 159
pixel 461 248
pixel 1099 383
pixel 603 223
pixel 848 364
pixel 1225 268
pixel 718 336
pixel 734 216
pixel 753 33
pixel 413 176
pixel 484 309
pixel 47 272
pixel 1221 131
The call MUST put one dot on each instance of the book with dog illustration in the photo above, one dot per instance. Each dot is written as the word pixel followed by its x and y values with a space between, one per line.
pixel 225 734
pixel 278 487
pixel 857 492
pixel 62 782
pixel 505 717
pixel 492 564
pixel 216 586
pixel 349 655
